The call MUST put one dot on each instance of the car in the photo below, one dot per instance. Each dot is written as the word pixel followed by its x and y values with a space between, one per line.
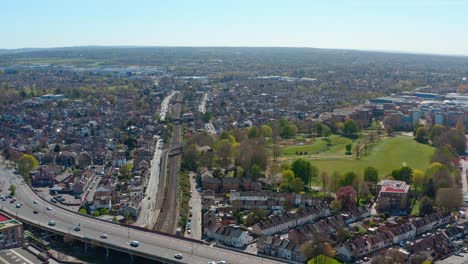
pixel 189 231
pixel 104 236
pixel 149 197
pixel 35 212
pixel 221 262
pixel 189 225
pixel 18 205
pixel 34 202
pixel 211 262
pixel 366 259
pixel 48 208
pixel 53 200
pixel 51 223
pixel 134 243
pixel 77 229
pixel 178 256
pixel 11 201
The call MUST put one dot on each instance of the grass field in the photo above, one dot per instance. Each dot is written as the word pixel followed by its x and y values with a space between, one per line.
pixel 389 154
pixel 319 146
pixel 322 259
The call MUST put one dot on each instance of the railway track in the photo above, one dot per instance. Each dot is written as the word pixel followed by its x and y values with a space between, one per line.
pixel 167 218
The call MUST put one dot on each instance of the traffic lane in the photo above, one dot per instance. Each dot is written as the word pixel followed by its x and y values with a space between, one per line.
pixel 18 256
pixel 193 252
pixel 164 246
pixel 117 235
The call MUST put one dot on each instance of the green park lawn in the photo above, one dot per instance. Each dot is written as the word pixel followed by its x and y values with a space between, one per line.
pixel 388 154
pixel 319 146
pixel 322 259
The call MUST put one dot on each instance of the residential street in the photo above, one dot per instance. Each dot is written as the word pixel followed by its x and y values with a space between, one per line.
pixel 148 204
pixel 202 106
pixel 165 105
pixel 195 203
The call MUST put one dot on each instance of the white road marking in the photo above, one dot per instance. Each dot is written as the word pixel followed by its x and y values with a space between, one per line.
pixel 4 260
pixel 21 256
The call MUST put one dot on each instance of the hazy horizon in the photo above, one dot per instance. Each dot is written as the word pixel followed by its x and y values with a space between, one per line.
pixel 418 26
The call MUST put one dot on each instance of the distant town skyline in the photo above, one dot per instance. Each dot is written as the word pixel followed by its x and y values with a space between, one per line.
pixel 419 26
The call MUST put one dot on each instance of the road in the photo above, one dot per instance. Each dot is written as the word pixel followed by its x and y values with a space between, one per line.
pixel 195 203
pixel 148 206
pixel 119 237
pixel 165 105
pixel 19 256
pixel 202 106
pixel 168 216
pixel 210 128
pixel 464 164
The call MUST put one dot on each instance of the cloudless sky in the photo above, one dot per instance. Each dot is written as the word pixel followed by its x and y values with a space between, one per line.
pixel 438 26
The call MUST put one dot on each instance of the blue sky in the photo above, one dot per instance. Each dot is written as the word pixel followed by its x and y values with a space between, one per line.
pixel 439 26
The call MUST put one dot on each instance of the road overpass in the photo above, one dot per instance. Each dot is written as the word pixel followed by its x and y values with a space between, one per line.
pixel 153 245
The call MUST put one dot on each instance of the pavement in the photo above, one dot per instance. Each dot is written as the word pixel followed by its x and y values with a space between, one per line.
pixel 211 129
pixel 464 164
pixel 146 217
pixel 18 256
pixel 202 106
pixel 165 105
pixel 461 258
pixel 195 203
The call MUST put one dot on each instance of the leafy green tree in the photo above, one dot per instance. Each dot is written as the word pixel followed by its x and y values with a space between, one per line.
pixel 225 152
pixel 322 129
pixel 190 158
pixel 26 164
pixel 418 180
pixel 207 116
pixel 426 206
pixel 418 125
pixel 444 156
pixel 440 176
pixel 57 148
pixel 304 170
pixel 403 174
pixel 371 174
pixel 255 172
pixel 348 179
pixel 436 131
pixel 421 135
pixel 348 148
pixel 336 205
pixel 253 132
pixel 297 185
pixel 255 216
pixel 266 131
pixel 350 127
pixel 289 131
pixel 103 211
pixel 83 211
pixel 226 135
pixel 12 190
pixel 126 170
pixel 96 213
pixel 449 199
